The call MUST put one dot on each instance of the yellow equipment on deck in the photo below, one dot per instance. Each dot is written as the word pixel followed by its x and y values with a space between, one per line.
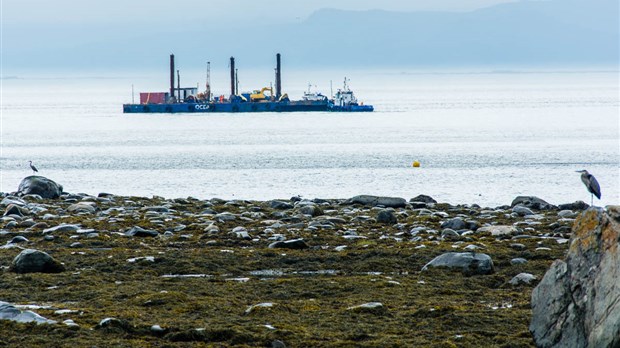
pixel 260 95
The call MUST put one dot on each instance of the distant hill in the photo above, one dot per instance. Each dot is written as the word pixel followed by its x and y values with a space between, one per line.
pixel 525 33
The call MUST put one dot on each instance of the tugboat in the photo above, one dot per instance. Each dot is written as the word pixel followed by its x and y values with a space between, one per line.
pixel 187 99
pixel 346 101
pixel 313 96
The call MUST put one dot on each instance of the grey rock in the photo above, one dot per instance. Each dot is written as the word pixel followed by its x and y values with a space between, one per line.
pixel 61 228
pixel 39 185
pixel 290 244
pixel 450 234
pixel 567 213
pixel 35 261
pixel 518 261
pixel 156 208
pixel 389 202
pixel 423 199
pixel 277 344
pixel 455 224
pixel 311 210
pixel 225 217
pixel 522 210
pixel 81 208
pixel 281 205
pixel 12 200
pixel 14 209
pixel 577 303
pixel 138 231
pixel 577 205
pixel 10 312
pixel 522 278
pixel 417 205
pixel 367 307
pixel 18 239
pixel 499 230
pixel 469 263
pixel 532 202
pixel 386 216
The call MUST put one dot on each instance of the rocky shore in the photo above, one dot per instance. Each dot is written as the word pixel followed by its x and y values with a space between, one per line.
pixel 105 270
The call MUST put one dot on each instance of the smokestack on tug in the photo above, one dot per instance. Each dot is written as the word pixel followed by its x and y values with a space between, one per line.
pixel 232 77
pixel 171 76
pixel 278 77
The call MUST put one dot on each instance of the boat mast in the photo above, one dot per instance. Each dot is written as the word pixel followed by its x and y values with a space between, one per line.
pixel 232 77
pixel 208 91
pixel 278 77
pixel 171 77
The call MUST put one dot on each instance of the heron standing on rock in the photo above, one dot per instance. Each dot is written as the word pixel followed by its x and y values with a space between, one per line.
pixel 34 169
pixel 591 184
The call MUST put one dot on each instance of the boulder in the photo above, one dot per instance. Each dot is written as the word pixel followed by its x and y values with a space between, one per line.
pixel 10 312
pixel 499 230
pixel 138 231
pixel 390 202
pixel 577 303
pixel 81 208
pixel 423 199
pixel 289 244
pixel 532 202
pixel 522 278
pixel 35 261
pixel 455 224
pixel 311 210
pixel 39 185
pixel 280 205
pixel 577 205
pixel 386 216
pixel 522 210
pixel 14 209
pixel 469 263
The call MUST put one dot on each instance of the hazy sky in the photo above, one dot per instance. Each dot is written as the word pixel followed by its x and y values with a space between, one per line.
pixel 99 34
pixel 62 12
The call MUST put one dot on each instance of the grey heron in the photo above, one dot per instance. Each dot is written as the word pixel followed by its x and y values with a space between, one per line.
pixel 34 169
pixel 591 184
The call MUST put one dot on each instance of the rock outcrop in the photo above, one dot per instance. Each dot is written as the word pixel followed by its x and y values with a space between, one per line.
pixel 532 202
pixel 389 202
pixel 35 261
pixel 468 263
pixel 39 185
pixel 577 303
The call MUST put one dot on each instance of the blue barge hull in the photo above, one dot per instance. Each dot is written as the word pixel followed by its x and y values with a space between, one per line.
pixel 241 107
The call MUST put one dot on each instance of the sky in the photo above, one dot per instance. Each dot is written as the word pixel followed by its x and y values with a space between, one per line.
pixel 39 13
pixel 47 34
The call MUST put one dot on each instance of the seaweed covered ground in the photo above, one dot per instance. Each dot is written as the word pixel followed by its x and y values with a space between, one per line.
pixel 282 273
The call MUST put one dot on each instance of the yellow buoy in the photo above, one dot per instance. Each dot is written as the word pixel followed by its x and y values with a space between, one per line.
pixel 416 164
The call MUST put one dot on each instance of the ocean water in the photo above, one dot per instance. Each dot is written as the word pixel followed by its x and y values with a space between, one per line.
pixel 481 137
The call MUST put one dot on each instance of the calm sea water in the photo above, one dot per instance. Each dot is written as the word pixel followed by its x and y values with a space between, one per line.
pixel 480 138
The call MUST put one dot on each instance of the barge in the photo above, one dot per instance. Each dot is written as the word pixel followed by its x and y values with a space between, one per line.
pixel 189 100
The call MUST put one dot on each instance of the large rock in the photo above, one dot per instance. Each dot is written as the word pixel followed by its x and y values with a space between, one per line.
pixel 532 203
pixel 289 244
pixel 391 202
pixel 577 303
pixel 35 261
pixel 468 263
pixel 39 185
pixel 423 199
pixel 455 224
pixel 499 230
pixel 386 216
pixel 10 312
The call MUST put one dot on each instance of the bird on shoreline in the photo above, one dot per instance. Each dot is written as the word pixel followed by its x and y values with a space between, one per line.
pixel 591 184
pixel 34 169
